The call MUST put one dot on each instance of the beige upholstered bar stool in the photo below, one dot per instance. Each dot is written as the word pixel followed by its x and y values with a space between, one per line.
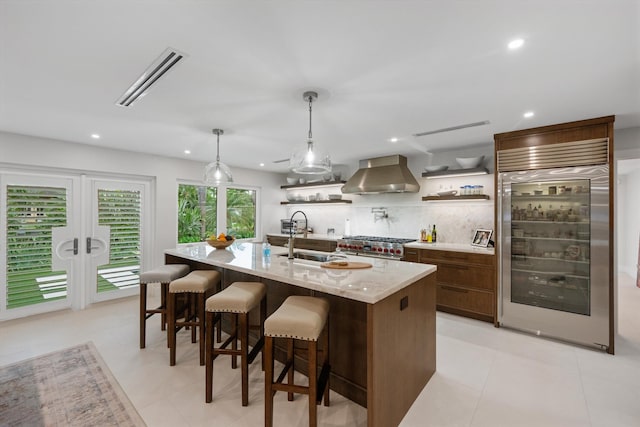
pixel 298 318
pixel 196 286
pixel 162 275
pixel 238 300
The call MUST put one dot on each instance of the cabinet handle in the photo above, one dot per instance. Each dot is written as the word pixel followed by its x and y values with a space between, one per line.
pixel 451 288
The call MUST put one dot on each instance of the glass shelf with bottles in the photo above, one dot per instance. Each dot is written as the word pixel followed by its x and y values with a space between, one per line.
pixel 552 290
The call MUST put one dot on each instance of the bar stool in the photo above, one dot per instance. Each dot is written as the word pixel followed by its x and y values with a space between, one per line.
pixel 298 318
pixel 197 286
pixel 163 275
pixel 238 300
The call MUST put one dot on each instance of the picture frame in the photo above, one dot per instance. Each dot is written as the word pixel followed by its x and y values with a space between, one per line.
pixel 481 237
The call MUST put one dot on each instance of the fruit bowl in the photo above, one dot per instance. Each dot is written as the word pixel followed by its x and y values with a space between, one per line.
pixel 220 244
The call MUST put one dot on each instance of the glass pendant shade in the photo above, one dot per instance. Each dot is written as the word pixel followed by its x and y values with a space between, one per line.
pixel 308 160
pixel 216 173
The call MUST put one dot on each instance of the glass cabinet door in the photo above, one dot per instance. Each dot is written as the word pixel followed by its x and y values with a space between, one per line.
pixel 550 241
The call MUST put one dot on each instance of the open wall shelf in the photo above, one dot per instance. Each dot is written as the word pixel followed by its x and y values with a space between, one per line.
pixel 470 197
pixel 313 184
pixel 456 172
pixel 315 202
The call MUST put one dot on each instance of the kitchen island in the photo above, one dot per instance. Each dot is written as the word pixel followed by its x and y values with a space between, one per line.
pixel 381 320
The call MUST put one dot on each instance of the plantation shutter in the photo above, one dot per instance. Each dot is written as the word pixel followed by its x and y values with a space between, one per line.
pixel 120 210
pixel 31 214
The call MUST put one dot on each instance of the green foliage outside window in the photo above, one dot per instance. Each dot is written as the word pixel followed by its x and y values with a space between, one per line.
pixel 241 213
pixel 197 216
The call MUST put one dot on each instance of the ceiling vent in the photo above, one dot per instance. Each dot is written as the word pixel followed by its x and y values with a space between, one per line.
pixel 467 125
pixel 160 67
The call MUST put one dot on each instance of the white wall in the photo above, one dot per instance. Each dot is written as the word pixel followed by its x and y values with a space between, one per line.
pixel 627 146
pixel 33 152
pixel 628 206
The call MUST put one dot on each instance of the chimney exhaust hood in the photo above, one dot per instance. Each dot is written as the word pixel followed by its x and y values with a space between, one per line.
pixel 388 174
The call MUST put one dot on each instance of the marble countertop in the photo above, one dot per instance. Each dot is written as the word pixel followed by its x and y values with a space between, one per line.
pixel 368 285
pixel 454 247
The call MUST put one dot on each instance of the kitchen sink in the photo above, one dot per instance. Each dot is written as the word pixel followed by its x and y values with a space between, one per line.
pixel 308 256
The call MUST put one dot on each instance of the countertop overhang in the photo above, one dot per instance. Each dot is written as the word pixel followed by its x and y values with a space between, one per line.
pixel 453 247
pixel 369 285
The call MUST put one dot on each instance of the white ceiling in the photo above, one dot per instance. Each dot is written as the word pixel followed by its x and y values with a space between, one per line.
pixel 383 69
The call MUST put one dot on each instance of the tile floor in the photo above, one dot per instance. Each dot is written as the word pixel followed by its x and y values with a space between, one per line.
pixel 485 376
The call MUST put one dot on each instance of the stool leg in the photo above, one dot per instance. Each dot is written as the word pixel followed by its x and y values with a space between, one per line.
pixel 244 362
pixel 163 304
pixel 325 362
pixel 234 343
pixel 143 314
pixel 201 325
pixel 193 302
pixel 263 316
pixel 268 381
pixel 209 356
pixel 313 382
pixel 171 327
pixel 291 356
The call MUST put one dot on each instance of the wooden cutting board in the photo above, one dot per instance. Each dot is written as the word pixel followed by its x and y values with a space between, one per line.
pixel 346 265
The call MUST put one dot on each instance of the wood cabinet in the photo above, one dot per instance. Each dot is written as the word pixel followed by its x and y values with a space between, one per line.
pixel 466 282
pixel 302 243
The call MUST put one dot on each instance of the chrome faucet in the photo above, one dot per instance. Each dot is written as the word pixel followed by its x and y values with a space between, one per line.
pixel 292 234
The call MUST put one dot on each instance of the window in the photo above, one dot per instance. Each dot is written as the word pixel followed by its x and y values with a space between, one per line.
pixel 198 208
pixel 197 214
pixel 241 213
pixel 120 210
pixel 32 212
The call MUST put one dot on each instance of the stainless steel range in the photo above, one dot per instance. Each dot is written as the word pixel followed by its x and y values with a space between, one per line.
pixel 381 247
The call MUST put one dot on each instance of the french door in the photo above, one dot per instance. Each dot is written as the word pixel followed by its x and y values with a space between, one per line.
pixel 68 241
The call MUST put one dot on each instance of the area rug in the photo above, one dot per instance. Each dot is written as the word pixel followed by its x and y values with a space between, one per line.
pixel 70 387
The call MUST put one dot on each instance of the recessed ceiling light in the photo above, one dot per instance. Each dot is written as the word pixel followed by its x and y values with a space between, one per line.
pixel 528 114
pixel 515 44
pixel 394 139
pixel 187 151
pixel 261 165
pixel 95 136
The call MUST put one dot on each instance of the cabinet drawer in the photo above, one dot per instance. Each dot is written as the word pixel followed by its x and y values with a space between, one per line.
pixel 316 245
pixel 465 299
pixel 431 256
pixel 468 276
pixel 277 240
pixel 411 254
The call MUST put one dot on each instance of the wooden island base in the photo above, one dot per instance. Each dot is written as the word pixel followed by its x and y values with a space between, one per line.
pixel 382 355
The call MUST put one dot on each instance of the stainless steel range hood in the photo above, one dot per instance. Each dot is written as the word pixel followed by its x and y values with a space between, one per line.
pixel 388 174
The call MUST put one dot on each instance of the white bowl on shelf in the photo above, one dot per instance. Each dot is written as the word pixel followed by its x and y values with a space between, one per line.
pixel 335 196
pixel 436 168
pixel 291 180
pixel 470 162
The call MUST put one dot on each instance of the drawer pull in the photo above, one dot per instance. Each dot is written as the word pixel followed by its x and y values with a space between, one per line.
pixel 451 288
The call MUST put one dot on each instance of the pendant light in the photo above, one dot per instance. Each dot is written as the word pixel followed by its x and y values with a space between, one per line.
pixel 217 173
pixel 309 161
